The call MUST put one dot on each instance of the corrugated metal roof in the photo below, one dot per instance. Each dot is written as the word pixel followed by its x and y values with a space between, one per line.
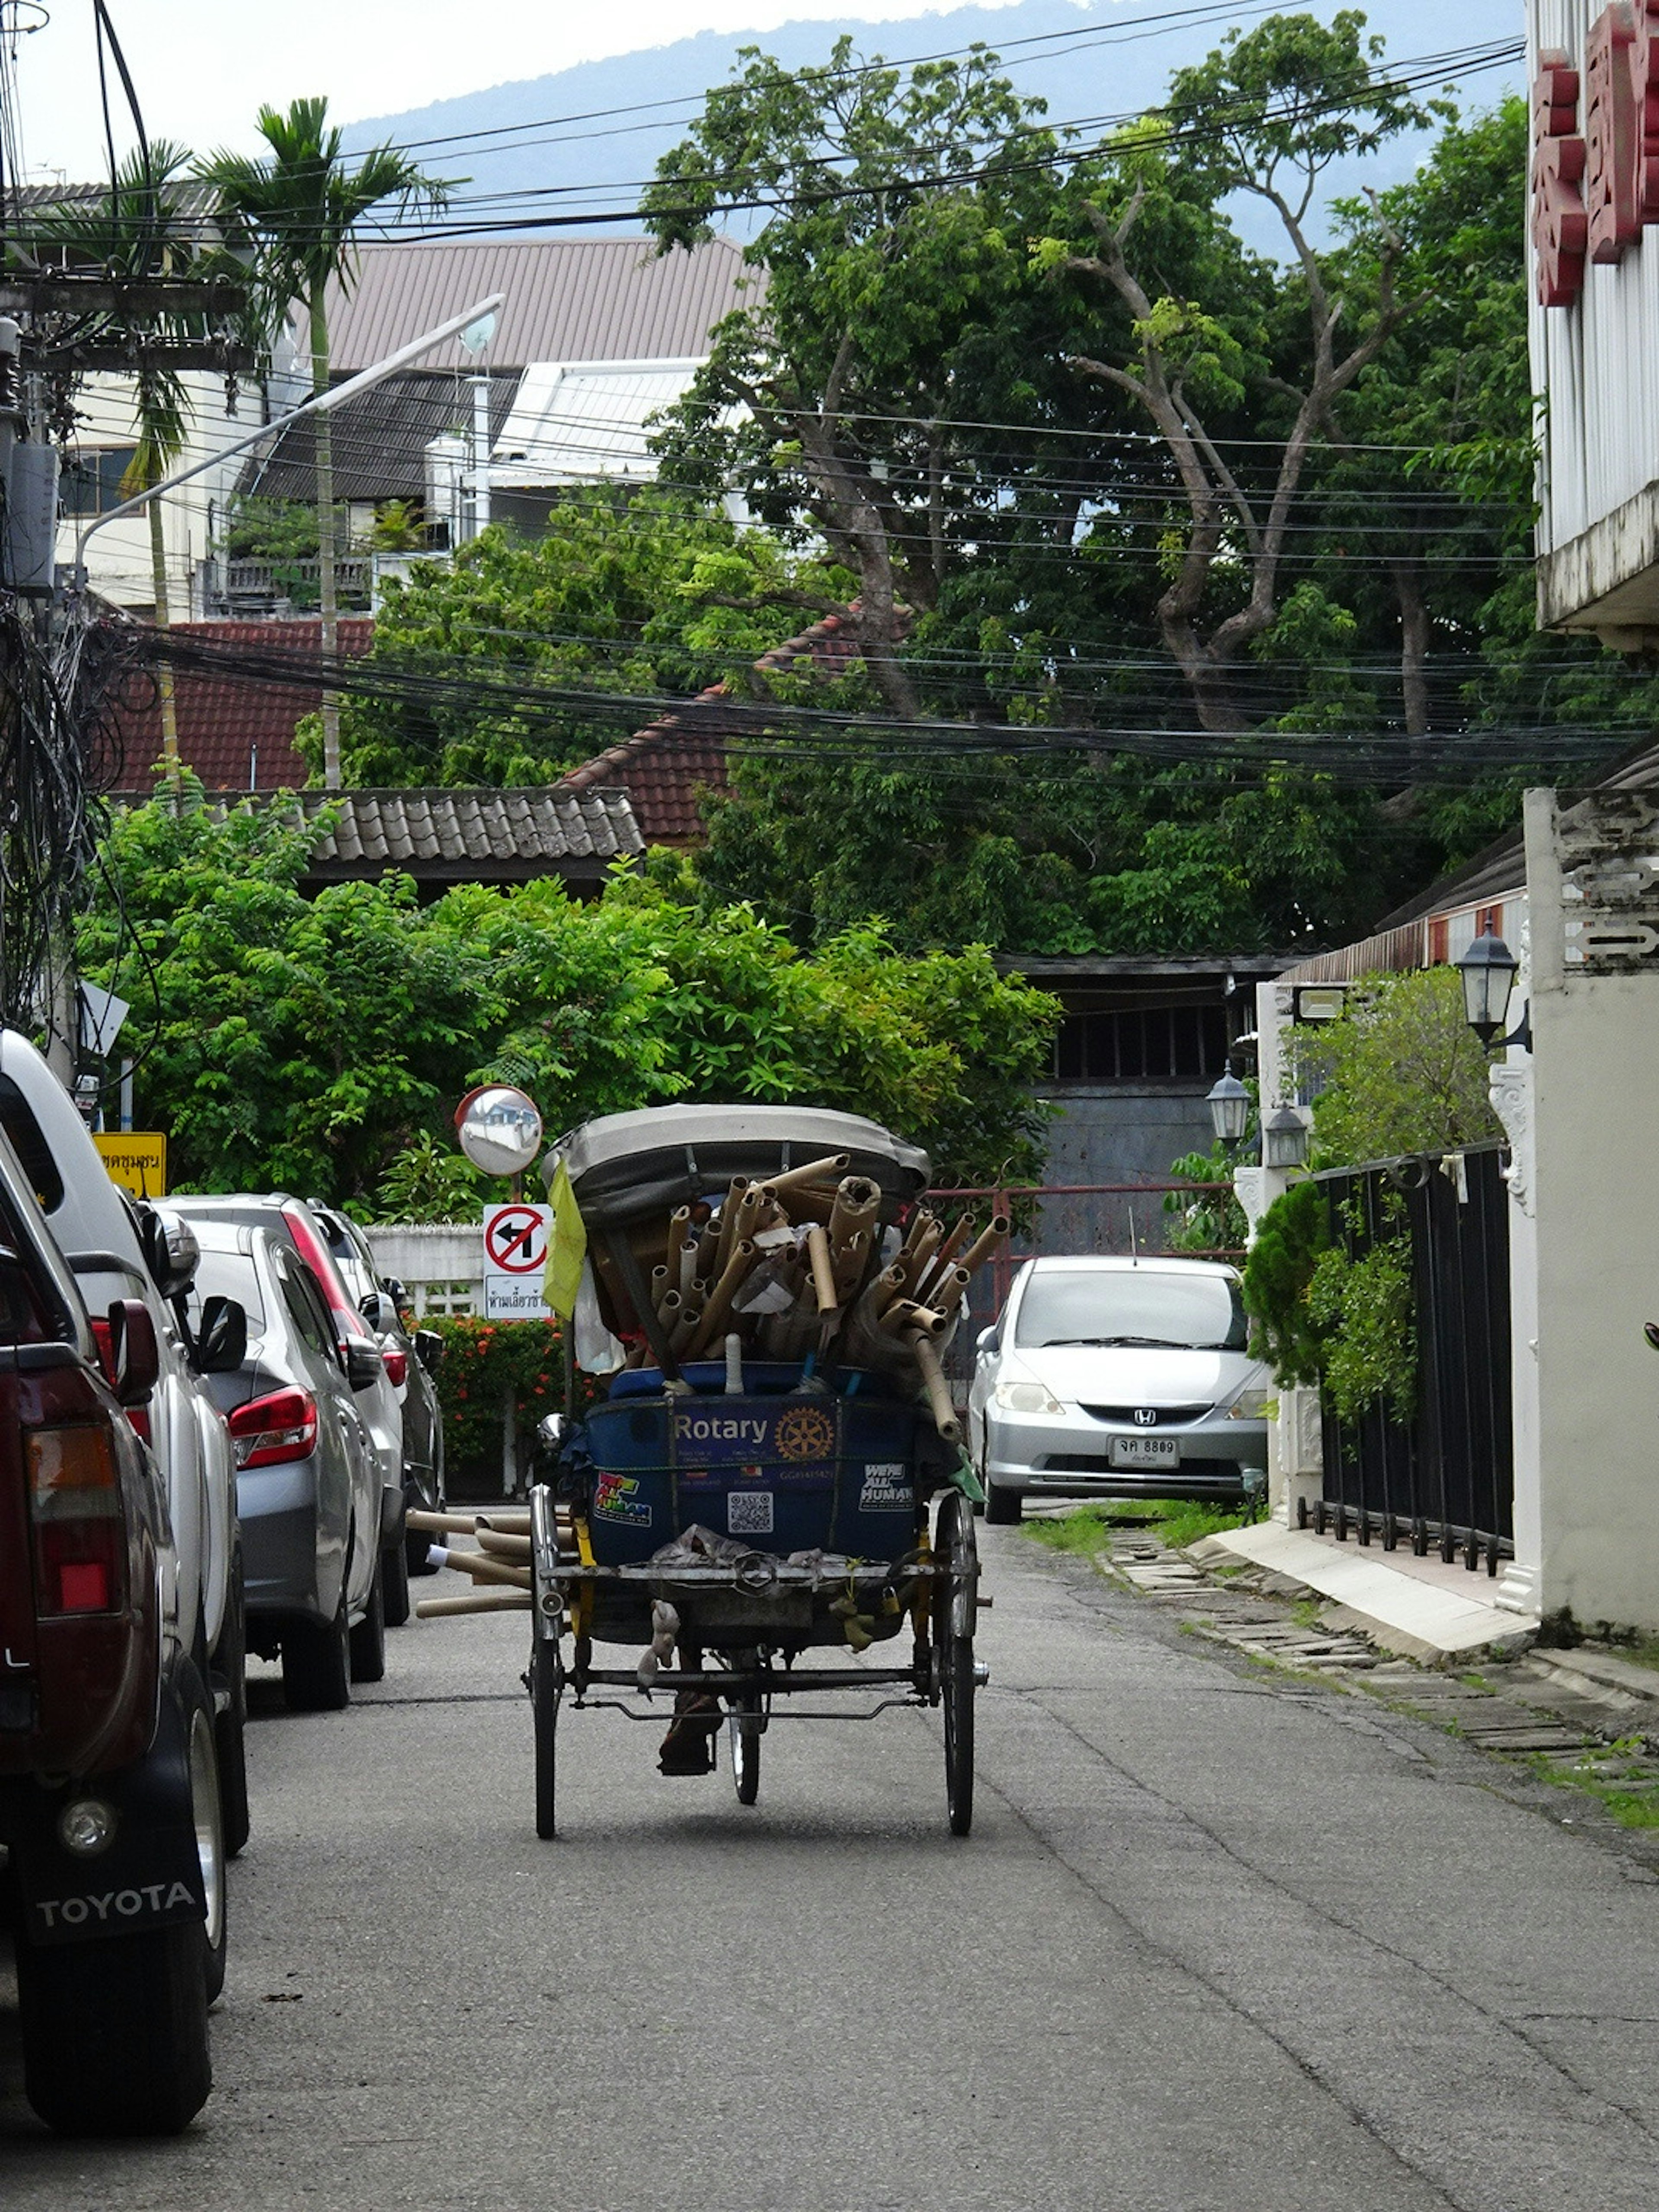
pixel 572 420
pixel 567 299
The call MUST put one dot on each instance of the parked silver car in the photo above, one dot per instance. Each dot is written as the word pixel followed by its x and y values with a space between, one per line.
pixel 309 1488
pixel 411 1354
pixel 1118 1378
pixel 293 1224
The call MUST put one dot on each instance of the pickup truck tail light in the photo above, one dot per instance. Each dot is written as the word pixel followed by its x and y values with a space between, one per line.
pixel 80 1528
pixel 269 1431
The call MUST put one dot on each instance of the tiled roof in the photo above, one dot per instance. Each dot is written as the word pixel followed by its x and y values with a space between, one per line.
pixel 665 767
pixel 440 836
pixel 236 733
pixel 567 299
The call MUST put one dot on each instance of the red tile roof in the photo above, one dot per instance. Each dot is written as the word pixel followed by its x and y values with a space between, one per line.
pixel 666 766
pixel 236 733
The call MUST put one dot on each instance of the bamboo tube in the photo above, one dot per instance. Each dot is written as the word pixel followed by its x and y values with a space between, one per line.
pixel 679 1228
pixel 726 1235
pixel 876 1297
pixel 720 1304
pixel 904 1317
pixel 501 1546
pixel 751 1209
pixel 686 1266
pixel 824 1272
pixel 813 1201
pixel 946 1252
pixel 482 1569
pixel 708 1238
pixel 494 1600
pixel 440 1524
pixel 921 1221
pixel 506 1519
pixel 660 1282
pixel 850 1261
pixel 946 1292
pixel 668 1312
pixel 792 1179
pixel 685 1329
pixel 987 1242
pixel 938 1393
pixel 917 1259
pixel 858 1201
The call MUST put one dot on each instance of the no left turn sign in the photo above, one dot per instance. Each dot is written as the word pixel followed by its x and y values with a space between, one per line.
pixel 514 1256
pixel 515 1239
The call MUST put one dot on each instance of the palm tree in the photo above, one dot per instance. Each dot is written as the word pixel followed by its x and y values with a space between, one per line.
pixel 300 207
pixel 139 231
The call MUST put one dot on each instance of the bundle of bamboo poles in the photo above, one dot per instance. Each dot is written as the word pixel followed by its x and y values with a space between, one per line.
pixel 803 1264
pixel 499 1568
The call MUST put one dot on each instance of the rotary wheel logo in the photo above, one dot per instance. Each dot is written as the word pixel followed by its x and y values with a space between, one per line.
pixel 806 1432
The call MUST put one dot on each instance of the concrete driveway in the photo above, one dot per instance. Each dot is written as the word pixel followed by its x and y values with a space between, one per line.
pixel 1222 1942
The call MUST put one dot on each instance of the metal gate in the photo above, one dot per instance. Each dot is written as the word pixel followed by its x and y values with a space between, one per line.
pixel 1446 1476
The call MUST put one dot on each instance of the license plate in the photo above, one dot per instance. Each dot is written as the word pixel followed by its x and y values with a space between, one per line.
pixel 1144 1451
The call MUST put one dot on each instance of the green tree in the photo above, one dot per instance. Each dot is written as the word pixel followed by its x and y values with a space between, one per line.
pixel 1399 1071
pixel 301 206
pixel 1265 115
pixel 314 1044
pixel 647 597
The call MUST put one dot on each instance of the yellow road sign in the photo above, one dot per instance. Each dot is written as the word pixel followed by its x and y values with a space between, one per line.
pixel 137 1159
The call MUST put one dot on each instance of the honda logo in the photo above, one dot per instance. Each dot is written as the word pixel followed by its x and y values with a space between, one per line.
pixel 1146 1417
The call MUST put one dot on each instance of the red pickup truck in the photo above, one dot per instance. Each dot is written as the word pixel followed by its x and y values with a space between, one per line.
pixel 109 1805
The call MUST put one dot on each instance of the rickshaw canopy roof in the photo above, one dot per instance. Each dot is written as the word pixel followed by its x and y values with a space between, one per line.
pixel 625 1165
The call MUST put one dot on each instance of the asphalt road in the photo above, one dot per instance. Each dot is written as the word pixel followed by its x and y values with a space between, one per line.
pixel 1219 1943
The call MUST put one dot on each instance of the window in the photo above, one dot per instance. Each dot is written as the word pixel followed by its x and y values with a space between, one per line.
pixel 91 480
pixel 305 1302
pixel 1146 1306
pixel 28 1142
pixel 1141 1044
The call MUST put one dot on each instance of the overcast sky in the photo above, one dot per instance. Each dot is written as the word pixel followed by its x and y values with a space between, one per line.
pixel 203 67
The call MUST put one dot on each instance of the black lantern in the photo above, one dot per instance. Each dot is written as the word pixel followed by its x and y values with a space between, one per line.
pixel 1229 1103
pixel 1488 970
pixel 1284 1139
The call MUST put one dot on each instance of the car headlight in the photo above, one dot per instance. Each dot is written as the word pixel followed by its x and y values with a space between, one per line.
pixel 1252 1405
pixel 1026 1398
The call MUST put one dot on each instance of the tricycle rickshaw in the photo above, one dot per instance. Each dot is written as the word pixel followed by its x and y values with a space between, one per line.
pixel 775 1470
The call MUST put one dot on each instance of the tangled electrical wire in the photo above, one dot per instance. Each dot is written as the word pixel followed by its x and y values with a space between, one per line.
pixel 60 753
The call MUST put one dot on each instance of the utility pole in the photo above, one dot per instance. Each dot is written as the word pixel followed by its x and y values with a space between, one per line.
pixel 480 383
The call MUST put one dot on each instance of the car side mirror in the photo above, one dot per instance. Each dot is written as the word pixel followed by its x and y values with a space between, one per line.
pixel 549 1432
pixel 380 1310
pixel 363 1365
pixel 1651 1330
pixel 221 1340
pixel 429 1349
pixel 132 1359
pixel 985 1341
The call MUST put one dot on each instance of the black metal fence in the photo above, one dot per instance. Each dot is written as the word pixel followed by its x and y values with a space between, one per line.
pixel 1444 1478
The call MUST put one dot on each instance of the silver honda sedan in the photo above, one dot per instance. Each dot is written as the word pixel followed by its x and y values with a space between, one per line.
pixel 1118 1378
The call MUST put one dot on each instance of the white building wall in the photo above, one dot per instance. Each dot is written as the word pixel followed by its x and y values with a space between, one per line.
pixel 117 557
pixel 1595 363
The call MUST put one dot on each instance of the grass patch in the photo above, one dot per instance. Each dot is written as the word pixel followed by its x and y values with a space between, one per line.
pixel 1176 1522
pixel 1620 1780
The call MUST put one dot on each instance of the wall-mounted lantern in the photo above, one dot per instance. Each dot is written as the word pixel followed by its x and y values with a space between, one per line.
pixel 1488 971
pixel 1229 1103
pixel 1284 1139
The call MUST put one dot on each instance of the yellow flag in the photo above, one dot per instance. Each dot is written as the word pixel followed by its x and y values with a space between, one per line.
pixel 567 1248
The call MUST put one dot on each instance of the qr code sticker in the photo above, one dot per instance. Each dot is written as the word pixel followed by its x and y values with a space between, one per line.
pixel 749 1512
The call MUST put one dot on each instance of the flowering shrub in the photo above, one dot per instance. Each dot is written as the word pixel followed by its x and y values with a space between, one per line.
pixel 484 1360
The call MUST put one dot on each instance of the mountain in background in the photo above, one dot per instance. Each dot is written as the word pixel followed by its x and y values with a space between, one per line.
pixel 573 155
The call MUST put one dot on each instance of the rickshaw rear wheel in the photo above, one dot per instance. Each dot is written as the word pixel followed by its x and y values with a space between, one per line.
pixel 546 1688
pixel 744 1725
pixel 955 1605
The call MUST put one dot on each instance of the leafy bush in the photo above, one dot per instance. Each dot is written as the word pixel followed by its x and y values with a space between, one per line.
pixel 483 1361
pixel 1205 1221
pixel 1362 1311
pixel 1279 1275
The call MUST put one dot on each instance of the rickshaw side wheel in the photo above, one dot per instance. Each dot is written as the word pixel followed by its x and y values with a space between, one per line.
pixel 546 1688
pixel 744 1725
pixel 955 1605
